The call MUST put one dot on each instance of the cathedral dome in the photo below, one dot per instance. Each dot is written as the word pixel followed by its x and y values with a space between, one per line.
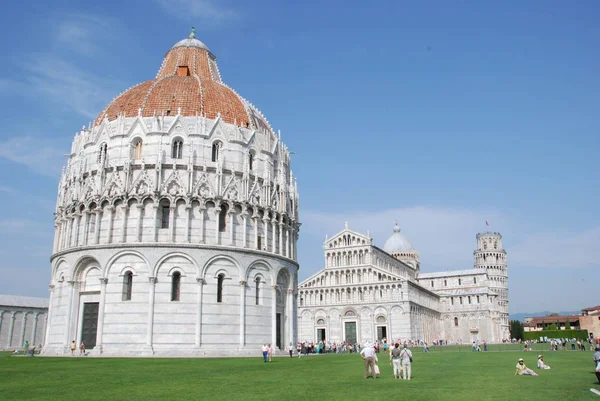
pixel 188 83
pixel 397 243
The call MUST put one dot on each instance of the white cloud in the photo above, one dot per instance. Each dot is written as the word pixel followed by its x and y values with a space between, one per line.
pixel 81 32
pixel 558 250
pixel 206 12
pixel 445 238
pixel 40 155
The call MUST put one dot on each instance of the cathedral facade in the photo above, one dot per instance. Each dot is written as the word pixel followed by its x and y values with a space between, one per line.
pixel 365 293
pixel 176 222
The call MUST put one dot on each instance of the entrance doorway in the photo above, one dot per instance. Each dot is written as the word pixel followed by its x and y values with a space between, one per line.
pixel 381 333
pixel 89 326
pixel 278 331
pixel 350 332
pixel 320 334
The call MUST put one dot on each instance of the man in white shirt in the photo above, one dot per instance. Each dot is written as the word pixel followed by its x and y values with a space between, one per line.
pixel 406 358
pixel 265 351
pixel 368 355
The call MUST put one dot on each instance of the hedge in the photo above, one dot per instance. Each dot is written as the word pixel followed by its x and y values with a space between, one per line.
pixel 535 335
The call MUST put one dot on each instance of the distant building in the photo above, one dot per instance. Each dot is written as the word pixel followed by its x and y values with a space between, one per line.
pixel 542 322
pixel 22 319
pixel 365 293
pixel 590 321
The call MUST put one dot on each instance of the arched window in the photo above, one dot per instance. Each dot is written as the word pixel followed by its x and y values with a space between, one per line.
pixel 459 281
pixel 175 286
pixel 257 286
pixel 165 209
pixel 216 147
pixel 220 279
pixel 460 298
pixel 177 149
pixel 250 161
pixel 431 283
pixel 456 322
pixel 445 283
pixel 137 149
pixel 452 300
pixel 127 286
pixel 474 280
pixel 223 218
pixel 102 154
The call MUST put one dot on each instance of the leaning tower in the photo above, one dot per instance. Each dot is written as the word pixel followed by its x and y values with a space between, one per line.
pixel 490 256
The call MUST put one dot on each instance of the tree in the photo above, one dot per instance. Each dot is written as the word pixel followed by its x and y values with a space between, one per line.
pixel 516 329
pixel 567 325
pixel 554 314
pixel 551 327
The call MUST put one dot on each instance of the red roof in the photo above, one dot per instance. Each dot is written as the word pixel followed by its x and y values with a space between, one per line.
pixel 552 319
pixel 591 309
pixel 188 80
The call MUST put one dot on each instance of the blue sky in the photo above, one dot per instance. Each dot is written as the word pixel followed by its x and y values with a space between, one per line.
pixel 438 114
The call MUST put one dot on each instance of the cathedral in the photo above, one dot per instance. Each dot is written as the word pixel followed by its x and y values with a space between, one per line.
pixel 176 222
pixel 365 293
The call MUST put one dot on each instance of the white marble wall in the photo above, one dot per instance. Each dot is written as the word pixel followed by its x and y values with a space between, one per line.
pixel 19 325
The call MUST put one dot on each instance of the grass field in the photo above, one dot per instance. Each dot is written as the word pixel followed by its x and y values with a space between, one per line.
pixel 436 376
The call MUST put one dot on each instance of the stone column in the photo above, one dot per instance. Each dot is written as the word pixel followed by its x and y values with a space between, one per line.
pixel 290 310
pixel 86 227
pixel 33 332
pixel 201 283
pixel 255 218
pixel 77 228
pixel 111 217
pixel 140 222
pixel 23 327
pixel 97 226
pixel 69 315
pixel 172 210
pixel 274 237
pixel 274 316
pixel 56 238
pixel 155 228
pixel 217 211
pixel 242 313
pixel 50 307
pixel 69 230
pixel 188 223
pixel 150 329
pixel 100 330
pixel 288 251
pixel 125 208
pixel 265 220
pixel 245 229
pixel 202 208
pixel 10 329
pixel 281 252
pixel 1 319
pixel 231 214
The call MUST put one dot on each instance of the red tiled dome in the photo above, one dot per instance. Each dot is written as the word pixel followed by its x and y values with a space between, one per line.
pixel 188 80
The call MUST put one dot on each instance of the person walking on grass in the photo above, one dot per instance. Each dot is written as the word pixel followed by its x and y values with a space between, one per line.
pixel 81 348
pixel 265 352
pixel 73 348
pixel 291 350
pixel 523 370
pixel 406 359
pixel 270 353
pixel 368 355
pixel 597 363
pixel 395 360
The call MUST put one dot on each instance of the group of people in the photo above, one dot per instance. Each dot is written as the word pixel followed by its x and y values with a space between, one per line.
pixel 267 352
pixel 523 370
pixel 81 348
pixel 28 350
pixel 400 359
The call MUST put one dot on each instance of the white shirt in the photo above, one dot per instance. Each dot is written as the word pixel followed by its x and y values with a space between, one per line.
pixel 405 355
pixel 368 352
pixel 265 348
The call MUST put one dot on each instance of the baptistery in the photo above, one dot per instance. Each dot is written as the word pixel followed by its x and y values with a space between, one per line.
pixel 176 223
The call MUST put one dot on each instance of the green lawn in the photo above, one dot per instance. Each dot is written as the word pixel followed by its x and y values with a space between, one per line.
pixel 436 376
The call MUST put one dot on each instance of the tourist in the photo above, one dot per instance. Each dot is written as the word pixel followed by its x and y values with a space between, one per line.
pixel 484 346
pixel 270 353
pixel 524 370
pixel 81 348
pixel 474 347
pixel 73 348
pixel 26 347
pixel 541 364
pixel 291 350
pixel 406 358
pixel 368 355
pixel 395 360
pixel 597 363
pixel 265 352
